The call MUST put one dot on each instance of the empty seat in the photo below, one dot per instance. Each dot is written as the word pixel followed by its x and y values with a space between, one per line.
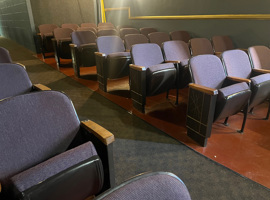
pixel 149 75
pixel 89 25
pixel 111 59
pixel 15 81
pixel 200 46
pixel 61 41
pixel 71 26
pixel 106 32
pixel 146 30
pixel 46 35
pixel 259 57
pixel 177 50
pixel 126 31
pixel 132 39
pixel 83 50
pixel 180 35
pixel 222 43
pixel 213 96
pixel 151 186
pixel 123 26
pixel 108 24
pixel 48 150
pixel 5 56
pixel 158 38
pixel 87 29
pixel 238 65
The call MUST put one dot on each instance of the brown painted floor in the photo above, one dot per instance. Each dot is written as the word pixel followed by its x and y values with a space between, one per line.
pixel 247 154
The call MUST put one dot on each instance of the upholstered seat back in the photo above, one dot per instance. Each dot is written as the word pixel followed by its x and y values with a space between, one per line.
pixel 200 67
pixel 34 127
pixel 176 50
pixel 83 37
pixel 146 30
pixel 46 28
pixel 260 57
pixel 14 80
pixel 222 43
pixel 89 25
pixel 237 63
pixel 158 37
pixel 110 44
pixel 180 35
pixel 5 56
pixel 60 33
pixel 126 31
pixel 200 46
pixel 71 26
pixel 132 39
pixel 146 55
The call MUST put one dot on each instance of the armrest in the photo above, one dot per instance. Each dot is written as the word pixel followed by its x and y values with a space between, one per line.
pixel 172 61
pixel 218 53
pixel 0 188
pixel 237 79
pixel 21 65
pixel 137 67
pixel 73 45
pixel 204 89
pixel 40 87
pixel 100 54
pixel 101 133
pixel 38 34
pixel 263 71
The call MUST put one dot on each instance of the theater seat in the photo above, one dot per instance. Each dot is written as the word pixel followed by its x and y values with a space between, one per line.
pixel 259 57
pixel 48 152
pixel 158 38
pixel 132 39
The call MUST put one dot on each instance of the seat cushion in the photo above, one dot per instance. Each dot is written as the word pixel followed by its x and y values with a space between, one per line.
pixel 184 62
pixel 119 54
pixel 232 89
pixel 51 167
pixel 155 68
pixel 260 79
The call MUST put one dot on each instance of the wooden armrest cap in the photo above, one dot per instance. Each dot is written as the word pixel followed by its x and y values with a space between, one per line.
pixel 262 70
pixel 239 79
pixel 137 67
pixel 207 90
pixel 41 87
pixel 101 133
pixel 100 54
pixel 172 61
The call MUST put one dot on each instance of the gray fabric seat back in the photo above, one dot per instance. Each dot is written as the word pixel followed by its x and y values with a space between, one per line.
pixel 34 127
pixel 14 80
pixel 260 57
pixel 5 56
pixel 176 50
pixel 110 44
pixel 83 37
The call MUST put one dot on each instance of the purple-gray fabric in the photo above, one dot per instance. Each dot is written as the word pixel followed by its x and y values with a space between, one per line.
pixel 110 44
pixel 146 30
pixel 146 55
pixel 60 33
pixel 200 46
pixel 260 57
pixel 180 35
pixel 233 89
pixel 47 28
pixel 132 39
pixel 158 37
pixel 237 63
pixel 176 50
pixel 34 127
pixel 5 56
pixel 208 71
pixel 53 166
pixel 222 43
pixel 260 79
pixel 107 32
pixel 126 31
pixel 71 26
pixel 118 54
pixel 83 37
pixel 14 80
pixel 154 187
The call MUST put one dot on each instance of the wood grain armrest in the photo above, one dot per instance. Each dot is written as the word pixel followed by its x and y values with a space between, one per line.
pixel 105 136
pixel 218 53
pixel 237 79
pixel 137 67
pixel 73 45
pixel 21 65
pixel 41 87
pixel 172 61
pixel 263 71
pixel 39 34
pixel 207 90
pixel 100 54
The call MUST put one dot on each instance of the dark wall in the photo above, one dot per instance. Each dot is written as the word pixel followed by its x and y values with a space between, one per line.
pixel 244 33
pixel 16 22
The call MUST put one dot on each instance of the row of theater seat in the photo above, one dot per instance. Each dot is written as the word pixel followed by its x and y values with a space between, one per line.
pixel 47 153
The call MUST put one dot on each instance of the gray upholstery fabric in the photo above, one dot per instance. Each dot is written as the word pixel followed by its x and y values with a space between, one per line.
pixel 5 56
pixel 158 37
pixel 232 89
pixel 222 43
pixel 201 66
pixel 146 30
pixel 156 186
pixel 110 44
pixel 53 166
pixel 83 37
pixel 71 26
pixel 260 57
pixel 146 54
pixel 260 79
pixel 237 63
pixel 60 33
pixel 14 80
pixel 132 39
pixel 126 31
pixel 180 35
pixel 44 126
pixel 200 46
pixel 176 50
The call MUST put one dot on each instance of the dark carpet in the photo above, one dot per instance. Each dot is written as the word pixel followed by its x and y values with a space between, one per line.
pixel 139 147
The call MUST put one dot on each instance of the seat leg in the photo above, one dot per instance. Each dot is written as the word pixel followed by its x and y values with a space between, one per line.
pixel 226 121
pixel 267 115
pixel 251 110
pixel 177 92
pixel 244 119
